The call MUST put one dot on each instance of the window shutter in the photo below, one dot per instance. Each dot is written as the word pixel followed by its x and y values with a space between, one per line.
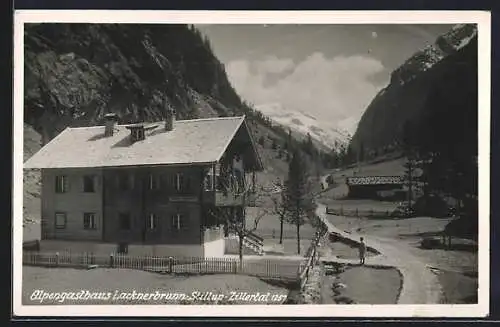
pixel 181 181
pixel 67 184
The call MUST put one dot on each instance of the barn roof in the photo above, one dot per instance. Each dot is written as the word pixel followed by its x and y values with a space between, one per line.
pixel 374 180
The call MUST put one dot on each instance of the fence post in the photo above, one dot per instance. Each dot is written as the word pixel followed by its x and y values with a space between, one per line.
pixel 57 259
pixel 111 260
pixel 170 265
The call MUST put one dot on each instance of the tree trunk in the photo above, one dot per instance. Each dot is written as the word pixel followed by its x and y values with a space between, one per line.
pixel 241 250
pixel 281 230
pixel 410 195
pixel 298 237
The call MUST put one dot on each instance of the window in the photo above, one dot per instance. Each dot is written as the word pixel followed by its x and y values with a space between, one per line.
pixel 209 182
pixel 177 221
pixel 154 182
pixel 124 221
pixel 179 179
pixel 60 220
pixel 89 184
pixel 62 184
pixel 152 221
pixel 89 220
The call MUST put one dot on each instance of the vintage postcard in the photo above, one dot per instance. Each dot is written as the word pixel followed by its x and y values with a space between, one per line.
pixel 241 164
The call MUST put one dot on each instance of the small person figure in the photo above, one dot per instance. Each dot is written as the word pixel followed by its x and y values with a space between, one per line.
pixel 274 233
pixel 362 251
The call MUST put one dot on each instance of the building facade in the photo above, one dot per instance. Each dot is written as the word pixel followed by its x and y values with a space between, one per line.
pixel 146 189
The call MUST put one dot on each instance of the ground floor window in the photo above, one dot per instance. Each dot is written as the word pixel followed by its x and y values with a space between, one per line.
pixel 60 218
pixel 152 221
pixel 89 220
pixel 177 221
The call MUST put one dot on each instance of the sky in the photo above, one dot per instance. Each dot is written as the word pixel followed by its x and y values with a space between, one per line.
pixel 328 72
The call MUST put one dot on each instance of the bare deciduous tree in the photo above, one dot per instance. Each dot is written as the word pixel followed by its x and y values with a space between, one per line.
pixel 235 216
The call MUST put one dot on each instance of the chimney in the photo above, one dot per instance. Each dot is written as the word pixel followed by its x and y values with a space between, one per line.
pixel 137 132
pixel 169 119
pixel 111 119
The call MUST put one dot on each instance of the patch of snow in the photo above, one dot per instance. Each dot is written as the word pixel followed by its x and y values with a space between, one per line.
pixel 326 133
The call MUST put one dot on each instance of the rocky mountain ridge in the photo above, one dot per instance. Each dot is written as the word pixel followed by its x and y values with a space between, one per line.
pixel 448 67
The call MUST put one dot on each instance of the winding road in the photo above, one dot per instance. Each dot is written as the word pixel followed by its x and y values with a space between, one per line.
pixel 420 285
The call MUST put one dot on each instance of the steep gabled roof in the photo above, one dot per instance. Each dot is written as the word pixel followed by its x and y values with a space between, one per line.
pixel 196 141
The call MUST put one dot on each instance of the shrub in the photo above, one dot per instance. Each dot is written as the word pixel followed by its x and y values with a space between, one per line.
pixel 430 243
pixel 431 205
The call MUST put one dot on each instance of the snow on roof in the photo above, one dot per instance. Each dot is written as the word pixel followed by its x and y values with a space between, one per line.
pixel 374 180
pixel 194 141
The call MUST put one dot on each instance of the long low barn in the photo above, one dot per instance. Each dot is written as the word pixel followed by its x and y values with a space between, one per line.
pixel 369 186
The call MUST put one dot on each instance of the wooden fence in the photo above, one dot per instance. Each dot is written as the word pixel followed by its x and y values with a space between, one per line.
pixel 262 268
pixel 311 256
pixel 360 213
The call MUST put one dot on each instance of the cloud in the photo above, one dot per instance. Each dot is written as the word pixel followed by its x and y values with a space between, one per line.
pixel 336 90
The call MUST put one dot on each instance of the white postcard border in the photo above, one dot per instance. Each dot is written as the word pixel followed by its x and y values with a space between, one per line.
pixel 481 18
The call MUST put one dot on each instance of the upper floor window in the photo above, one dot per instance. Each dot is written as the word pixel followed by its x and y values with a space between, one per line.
pixel 124 221
pixel 60 220
pixel 62 184
pixel 89 220
pixel 89 183
pixel 179 182
pixel 153 182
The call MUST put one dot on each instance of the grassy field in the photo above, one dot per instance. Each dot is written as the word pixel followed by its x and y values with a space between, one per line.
pixel 269 229
pixel 343 251
pixel 362 285
pixel 125 280
pixel 362 205
pixel 270 223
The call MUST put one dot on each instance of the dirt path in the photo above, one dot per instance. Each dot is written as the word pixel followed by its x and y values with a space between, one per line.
pixel 420 285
